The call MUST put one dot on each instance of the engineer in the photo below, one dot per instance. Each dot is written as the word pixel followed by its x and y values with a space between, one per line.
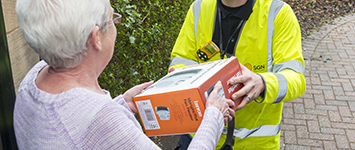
pixel 265 37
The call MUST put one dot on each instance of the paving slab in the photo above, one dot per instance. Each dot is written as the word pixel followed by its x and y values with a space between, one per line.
pixel 325 118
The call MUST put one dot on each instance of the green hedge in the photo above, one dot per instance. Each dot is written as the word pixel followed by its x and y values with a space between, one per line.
pixel 144 42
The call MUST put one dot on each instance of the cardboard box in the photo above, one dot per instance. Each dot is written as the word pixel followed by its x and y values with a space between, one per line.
pixel 175 104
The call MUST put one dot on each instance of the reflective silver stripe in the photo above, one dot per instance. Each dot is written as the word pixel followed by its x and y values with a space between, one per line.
pixel 289 65
pixel 275 8
pixel 179 60
pixel 265 130
pixel 196 9
pixel 282 88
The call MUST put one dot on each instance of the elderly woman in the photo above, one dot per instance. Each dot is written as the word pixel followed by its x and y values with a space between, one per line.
pixel 60 104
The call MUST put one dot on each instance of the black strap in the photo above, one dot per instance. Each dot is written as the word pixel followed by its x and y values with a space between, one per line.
pixel 229 143
pixel 223 51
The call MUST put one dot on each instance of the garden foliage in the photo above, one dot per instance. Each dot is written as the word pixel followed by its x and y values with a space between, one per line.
pixel 144 42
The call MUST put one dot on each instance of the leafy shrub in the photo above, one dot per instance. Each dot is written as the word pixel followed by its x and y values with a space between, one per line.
pixel 311 14
pixel 144 42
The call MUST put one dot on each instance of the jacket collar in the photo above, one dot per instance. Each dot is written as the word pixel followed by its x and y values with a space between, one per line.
pixel 243 13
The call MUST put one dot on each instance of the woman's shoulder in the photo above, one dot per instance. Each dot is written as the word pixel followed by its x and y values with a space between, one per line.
pixel 37 67
pixel 32 74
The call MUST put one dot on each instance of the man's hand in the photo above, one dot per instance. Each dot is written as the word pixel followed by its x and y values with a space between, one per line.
pixel 133 92
pixel 171 69
pixel 222 104
pixel 253 86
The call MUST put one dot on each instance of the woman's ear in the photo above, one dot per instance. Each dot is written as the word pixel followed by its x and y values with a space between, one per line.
pixel 94 39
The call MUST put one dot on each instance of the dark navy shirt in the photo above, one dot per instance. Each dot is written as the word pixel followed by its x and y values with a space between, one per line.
pixel 230 19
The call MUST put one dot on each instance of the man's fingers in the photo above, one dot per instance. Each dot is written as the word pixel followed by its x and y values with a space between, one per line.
pixel 243 91
pixel 239 79
pixel 171 69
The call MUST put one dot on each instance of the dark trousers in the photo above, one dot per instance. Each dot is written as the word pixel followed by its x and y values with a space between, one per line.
pixel 184 142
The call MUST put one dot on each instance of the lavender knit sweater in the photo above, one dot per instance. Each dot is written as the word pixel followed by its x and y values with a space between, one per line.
pixel 82 119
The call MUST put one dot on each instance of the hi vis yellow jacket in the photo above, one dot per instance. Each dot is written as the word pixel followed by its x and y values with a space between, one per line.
pixel 270 45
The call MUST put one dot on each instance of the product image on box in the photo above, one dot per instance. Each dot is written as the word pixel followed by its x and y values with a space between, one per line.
pixel 175 79
pixel 175 104
pixel 163 112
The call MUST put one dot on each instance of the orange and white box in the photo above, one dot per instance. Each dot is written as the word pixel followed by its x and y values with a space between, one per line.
pixel 175 104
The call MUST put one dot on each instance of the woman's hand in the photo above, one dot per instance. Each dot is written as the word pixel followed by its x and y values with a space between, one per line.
pixel 133 92
pixel 222 104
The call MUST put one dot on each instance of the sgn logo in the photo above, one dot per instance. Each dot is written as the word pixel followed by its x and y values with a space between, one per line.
pixel 258 67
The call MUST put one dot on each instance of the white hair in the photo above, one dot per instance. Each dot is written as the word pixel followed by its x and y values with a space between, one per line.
pixel 58 30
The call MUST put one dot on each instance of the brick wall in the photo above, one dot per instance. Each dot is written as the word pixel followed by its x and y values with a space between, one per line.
pixel 22 57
